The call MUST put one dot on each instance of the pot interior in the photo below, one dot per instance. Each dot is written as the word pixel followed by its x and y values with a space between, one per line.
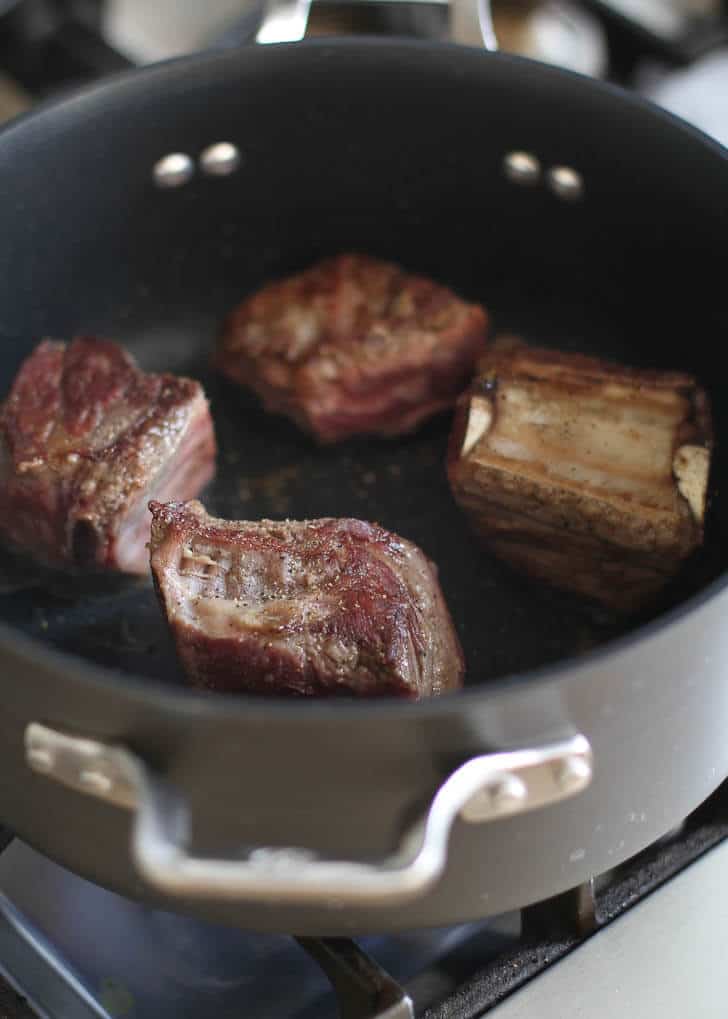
pixel 395 149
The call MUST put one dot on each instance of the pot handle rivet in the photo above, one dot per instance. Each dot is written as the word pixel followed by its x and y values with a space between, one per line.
pixel 220 159
pixel 509 791
pixel 522 167
pixel 40 759
pixel 565 182
pixel 573 772
pixel 173 170
pixel 96 782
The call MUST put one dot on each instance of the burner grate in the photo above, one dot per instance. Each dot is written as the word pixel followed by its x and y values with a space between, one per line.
pixel 553 928
pixel 458 973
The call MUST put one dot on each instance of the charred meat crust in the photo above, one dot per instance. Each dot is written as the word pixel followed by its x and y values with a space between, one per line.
pixel 353 346
pixel 582 472
pixel 85 439
pixel 321 607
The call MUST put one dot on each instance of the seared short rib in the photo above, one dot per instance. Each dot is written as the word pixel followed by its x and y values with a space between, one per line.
pixel 86 439
pixel 581 472
pixel 312 608
pixel 353 346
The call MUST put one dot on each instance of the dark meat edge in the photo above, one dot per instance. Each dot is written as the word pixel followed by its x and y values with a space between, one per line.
pixel 183 476
pixel 221 657
pixel 83 533
pixel 354 415
pixel 510 531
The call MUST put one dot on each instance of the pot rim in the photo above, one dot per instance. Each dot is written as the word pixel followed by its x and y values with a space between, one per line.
pixel 183 700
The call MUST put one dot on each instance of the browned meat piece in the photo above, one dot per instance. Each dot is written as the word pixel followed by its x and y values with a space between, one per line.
pixel 86 439
pixel 586 474
pixel 311 608
pixel 354 346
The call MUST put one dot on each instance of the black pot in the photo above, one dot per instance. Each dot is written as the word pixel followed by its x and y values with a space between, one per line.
pixel 564 758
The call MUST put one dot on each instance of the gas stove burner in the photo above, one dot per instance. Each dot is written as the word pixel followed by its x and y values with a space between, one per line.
pixel 75 950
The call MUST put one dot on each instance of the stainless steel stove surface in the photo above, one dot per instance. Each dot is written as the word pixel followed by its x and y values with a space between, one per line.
pixel 666 957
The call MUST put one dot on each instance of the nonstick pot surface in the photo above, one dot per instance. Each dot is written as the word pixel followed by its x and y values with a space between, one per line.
pixel 266 468
pixel 195 255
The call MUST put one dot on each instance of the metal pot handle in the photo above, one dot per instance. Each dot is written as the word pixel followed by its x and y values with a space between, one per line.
pixel 471 21
pixel 484 788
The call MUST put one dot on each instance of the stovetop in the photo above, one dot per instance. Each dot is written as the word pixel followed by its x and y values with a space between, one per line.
pixel 649 934
pixel 665 958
